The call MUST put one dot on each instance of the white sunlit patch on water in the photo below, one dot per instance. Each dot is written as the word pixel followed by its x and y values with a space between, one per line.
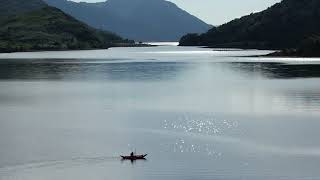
pixel 204 125
pixel 163 43
pixel 184 146
pixel 163 53
pixel 91 61
pixel 287 60
pixel 193 126
pixel 207 135
pixel 182 52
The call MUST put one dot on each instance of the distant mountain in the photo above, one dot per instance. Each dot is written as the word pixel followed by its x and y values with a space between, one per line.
pixel 141 20
pixel 284 25
pixel 36 26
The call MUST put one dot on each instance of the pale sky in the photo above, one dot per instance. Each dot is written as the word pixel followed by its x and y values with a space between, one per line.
pixel 217 12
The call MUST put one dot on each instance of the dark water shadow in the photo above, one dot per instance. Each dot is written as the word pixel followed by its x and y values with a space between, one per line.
pixel 133 162
pixel 276 70
pixel 51 70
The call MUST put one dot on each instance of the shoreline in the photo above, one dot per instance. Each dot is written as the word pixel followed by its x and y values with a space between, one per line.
pixel 287 53
pixel 80 49
pixel 116 53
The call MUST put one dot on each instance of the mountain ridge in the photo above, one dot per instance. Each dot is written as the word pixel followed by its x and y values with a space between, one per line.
pixel 47 28
pixel 283 25
pixel 141 20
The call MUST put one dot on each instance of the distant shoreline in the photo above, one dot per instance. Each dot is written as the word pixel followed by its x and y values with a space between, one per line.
pixel 287 55
pixel 80 49
pixel 293 53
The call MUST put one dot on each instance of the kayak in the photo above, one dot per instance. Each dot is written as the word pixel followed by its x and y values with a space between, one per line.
pixel 134 157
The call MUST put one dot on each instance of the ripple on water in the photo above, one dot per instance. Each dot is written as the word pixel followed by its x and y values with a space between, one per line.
pixel 192 126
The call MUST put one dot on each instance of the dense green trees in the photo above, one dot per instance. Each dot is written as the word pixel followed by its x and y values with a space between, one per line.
pixel 282 26
pixel 48 28
pixel 11 7
pixel 310 47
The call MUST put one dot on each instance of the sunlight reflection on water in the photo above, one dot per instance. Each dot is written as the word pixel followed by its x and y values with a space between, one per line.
pixel 197 113
pixel 207 125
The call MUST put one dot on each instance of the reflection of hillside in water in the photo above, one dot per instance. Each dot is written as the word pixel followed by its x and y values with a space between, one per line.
pixel 301 94
pixel 277 70
pixel 78 70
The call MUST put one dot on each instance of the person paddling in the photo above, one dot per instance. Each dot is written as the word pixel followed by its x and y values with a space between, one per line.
pixel 134 157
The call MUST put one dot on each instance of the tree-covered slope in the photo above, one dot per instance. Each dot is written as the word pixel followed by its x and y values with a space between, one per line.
pixel 11 7
pixel 141 20
pixel 284 25
pixel 48 28
pixel 310 47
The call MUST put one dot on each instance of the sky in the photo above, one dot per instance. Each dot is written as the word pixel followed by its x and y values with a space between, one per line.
pixel 217 12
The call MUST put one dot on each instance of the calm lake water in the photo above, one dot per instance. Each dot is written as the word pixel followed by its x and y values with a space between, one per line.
pixel 199 114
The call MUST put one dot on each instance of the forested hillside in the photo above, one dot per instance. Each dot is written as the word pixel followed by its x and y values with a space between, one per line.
pixel 284 25
pixel 36 26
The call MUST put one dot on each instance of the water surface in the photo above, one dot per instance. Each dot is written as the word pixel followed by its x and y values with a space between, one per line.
pixel 200 114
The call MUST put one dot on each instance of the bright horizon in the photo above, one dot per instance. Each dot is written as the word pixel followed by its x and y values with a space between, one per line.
pixel 217 12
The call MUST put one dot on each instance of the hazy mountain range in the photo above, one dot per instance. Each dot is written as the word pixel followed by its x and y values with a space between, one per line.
pixel 27 25
pixel 284 25
pixel 141 20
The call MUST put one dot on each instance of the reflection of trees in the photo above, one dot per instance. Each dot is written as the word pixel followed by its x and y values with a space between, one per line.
pixel 29 70
pixel 304 98
pixel 293 98
pixel 77 70
pixel 277 70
